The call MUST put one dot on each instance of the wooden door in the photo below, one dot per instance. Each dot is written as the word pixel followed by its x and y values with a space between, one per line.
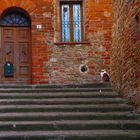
pixel 15 48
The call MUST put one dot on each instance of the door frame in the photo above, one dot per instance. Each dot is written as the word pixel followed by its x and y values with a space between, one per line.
pixel 16 79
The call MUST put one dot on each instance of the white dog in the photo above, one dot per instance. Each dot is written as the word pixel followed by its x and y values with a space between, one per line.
pixel 104 76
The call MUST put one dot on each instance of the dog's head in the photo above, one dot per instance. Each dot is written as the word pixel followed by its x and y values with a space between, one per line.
pixel 103 71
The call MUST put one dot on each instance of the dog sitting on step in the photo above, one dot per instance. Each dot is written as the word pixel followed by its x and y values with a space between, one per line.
pixel 104 76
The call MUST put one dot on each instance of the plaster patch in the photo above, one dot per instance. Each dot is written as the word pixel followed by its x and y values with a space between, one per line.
pixel 107 14
pixel 47 14
pixel 53 60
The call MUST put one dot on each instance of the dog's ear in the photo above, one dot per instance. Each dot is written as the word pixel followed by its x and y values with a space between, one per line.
pixel 103 71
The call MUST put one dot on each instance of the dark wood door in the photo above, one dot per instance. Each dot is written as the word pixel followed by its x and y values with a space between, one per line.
pixel 15 48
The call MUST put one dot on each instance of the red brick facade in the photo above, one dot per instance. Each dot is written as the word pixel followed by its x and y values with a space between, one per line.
pixel 54 62
pixel 125 56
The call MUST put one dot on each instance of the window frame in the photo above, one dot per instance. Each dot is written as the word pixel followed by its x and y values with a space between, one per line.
pixel 71 3
pixel 137 26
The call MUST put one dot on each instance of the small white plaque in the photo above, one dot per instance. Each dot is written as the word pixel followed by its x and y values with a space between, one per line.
pixel 39 26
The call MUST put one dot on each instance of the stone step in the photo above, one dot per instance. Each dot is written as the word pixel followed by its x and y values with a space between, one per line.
pixel 36 90
pixel 38 95
pixel 65 108
pixel 71 135
pixel 65 113
pixel 51 116
pixel 93 85
pixel 69 100
pixel 69 125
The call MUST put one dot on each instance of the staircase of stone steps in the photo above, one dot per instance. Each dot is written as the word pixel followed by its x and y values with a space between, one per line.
pixel 79 112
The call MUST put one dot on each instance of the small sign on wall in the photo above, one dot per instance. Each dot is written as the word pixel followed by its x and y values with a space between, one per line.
pixel 39 26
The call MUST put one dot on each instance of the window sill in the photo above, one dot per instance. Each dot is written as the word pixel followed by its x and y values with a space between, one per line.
pixel 72 43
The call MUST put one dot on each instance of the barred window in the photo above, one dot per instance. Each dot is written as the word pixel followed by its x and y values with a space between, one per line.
pixel 15 17
pixel 71 22
pixel 137 20
pixel 137 25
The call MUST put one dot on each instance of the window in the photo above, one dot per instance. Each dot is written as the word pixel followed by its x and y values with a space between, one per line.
pixel 71 22
pixel 137 25
pixel 15 17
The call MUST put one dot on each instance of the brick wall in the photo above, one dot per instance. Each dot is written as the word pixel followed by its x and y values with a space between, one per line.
pixel 125 52
pixel 97 15
pixel 41 13
pixel 57 63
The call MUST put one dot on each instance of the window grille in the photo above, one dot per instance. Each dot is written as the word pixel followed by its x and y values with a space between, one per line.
pixel 71 19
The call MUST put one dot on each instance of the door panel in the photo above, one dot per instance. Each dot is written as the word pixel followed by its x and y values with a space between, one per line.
pixel 7 51
pixel 23 34
pixel 24 64
pixel 23 46
pixel 15 48
pixel 8 34
pixel 23 52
